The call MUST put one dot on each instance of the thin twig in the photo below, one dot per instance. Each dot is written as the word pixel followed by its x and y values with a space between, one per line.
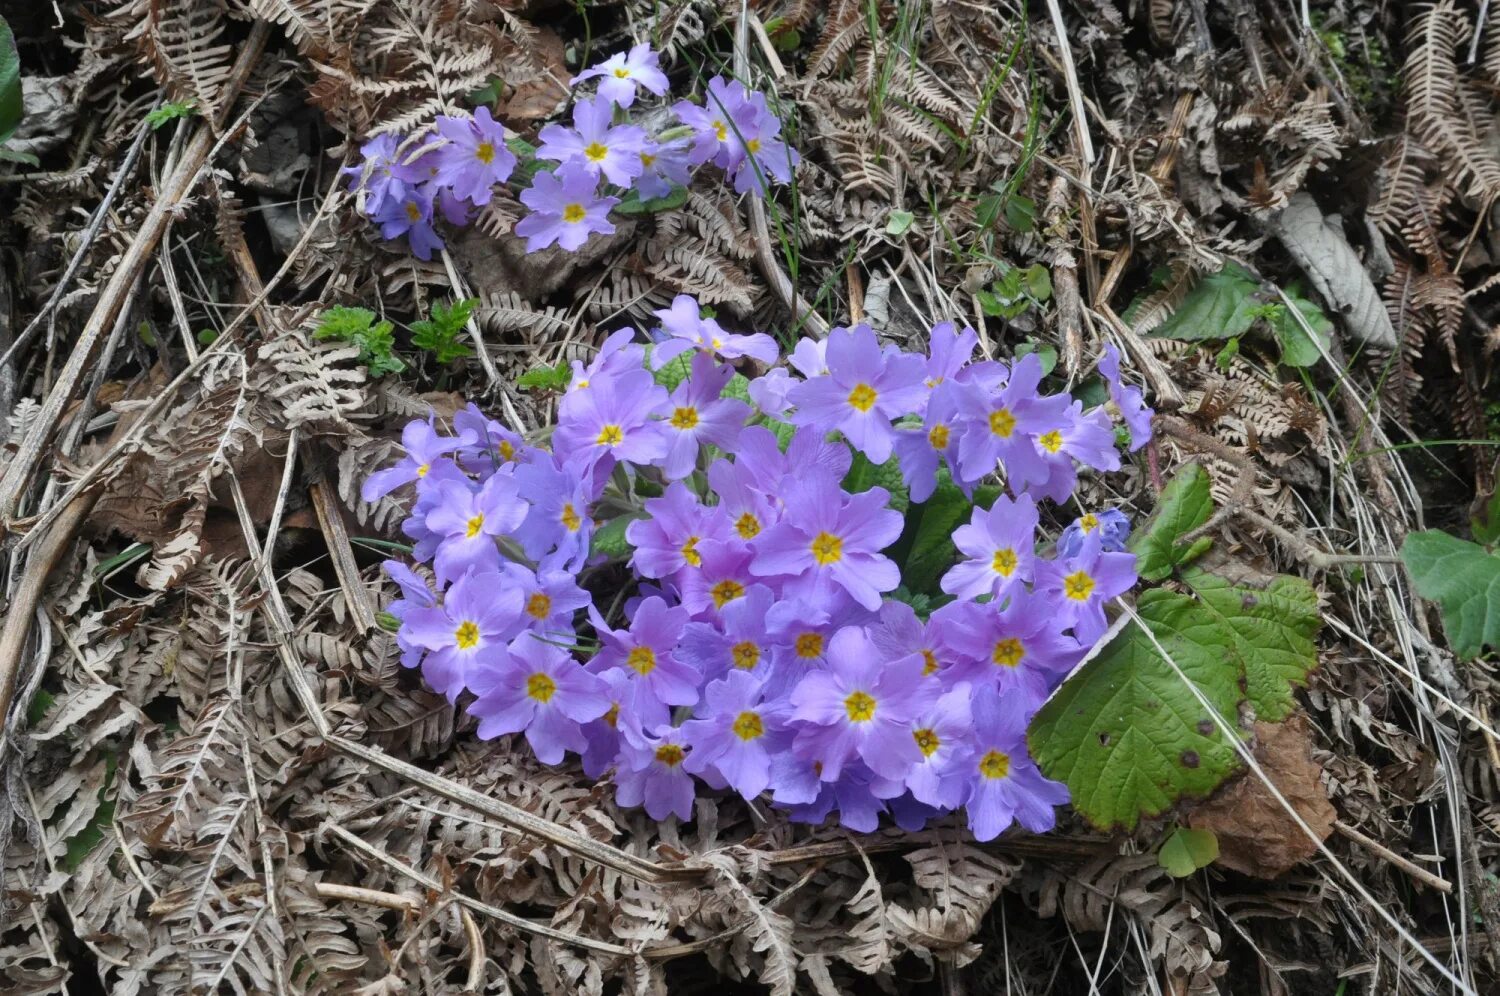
pixel 1381 851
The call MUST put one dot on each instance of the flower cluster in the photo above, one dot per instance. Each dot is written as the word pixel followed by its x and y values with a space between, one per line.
pixel 684 591
pixel 583 171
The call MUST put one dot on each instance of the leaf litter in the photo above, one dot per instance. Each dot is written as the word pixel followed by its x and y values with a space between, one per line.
pixel 217 777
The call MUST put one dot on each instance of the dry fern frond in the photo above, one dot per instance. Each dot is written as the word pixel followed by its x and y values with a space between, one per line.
pixel 183 42
pixel 1439 103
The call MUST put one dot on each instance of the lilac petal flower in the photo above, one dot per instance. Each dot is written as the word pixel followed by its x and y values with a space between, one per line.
pixel 410 214
pixel 770 390
pixel 1112 525
pixel 646 652
pixel 550 598
pixel 424 447
pixel 722 578
pixel 1004 783
pixel 469 521
pixel 1127 399
pixel 761 152
pixel 999 547
pixel 557 530
pixel 738 641
pixel 725 106
pixel 863 391
pixel 667 541
pixel 664 166
pixel 949 351
pixel 738 734
pixel 749 511
pixel 905 641
pixel 651 771
pixel 922 448
pixel 628 706
pixel 859 796
pixel 616 356
pixel 1021 648
pixel 545 692
pixel 942 734
pixel 594 144
pixel 683 321
pixel 566 209
pixel 376 175
pixel 622 72
pixel 493 447
pixel 810 357
pixel 1080 585
pixel 831 539
pixel 612 420
pixel 698 415
pixel 857 707
pixel 1065 431
pixel 808 453
pixel 467 634
pixel 475 157
pixel 991 436
pixel 414 595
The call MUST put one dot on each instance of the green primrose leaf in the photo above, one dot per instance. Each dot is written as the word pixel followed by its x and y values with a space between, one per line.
pixel 1020 213
pixel 927 538
pixel 1464 579
pixel 1186 850
pixel 864 475
pixel 609 539
pixel 438 335
pixel 738 387
pixel 1185 505
pixel 1125 733
pixel 1220 306
pixel 1298 348
pixel 546 378
pixel 631 203
pixel 1038 281
pixel 11 107
pixel 674 371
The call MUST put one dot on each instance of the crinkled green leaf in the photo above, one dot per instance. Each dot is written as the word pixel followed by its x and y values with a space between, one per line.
pixel 1185 505
pixel 546 378
pixel 1297 348
pixel 1464 579
pixel 674 371
pixel 864 475
pixel 1220 306
pixel 1186 850
pixel 928 537
pixel 11 108
pixel 609 539
pixel 1125 733
pixel 439 334
pixel 631 203
pixel 738 387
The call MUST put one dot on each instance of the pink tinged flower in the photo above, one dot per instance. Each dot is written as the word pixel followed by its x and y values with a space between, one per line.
pixel 864 389
pixel 474 157
pixel 738 733
pixel 627 706
pixel 1127 399
pixel 565 208
pixel 808 452
pixel 1021 648
pixel 545 692
pixel 612 420
pixel 621 73
pixel 646 652
pixel 1004 784
pixel 738 641
pixel 468 633
pixel 859 708
pixel 1060 431
pixel 664 165
pixel 424 450
pixel 594 144
pixel 942 734
pixel 558 527
pixel 922 448
pixel 470 521
pixel 651 771
pixel 999 547
pixel 831 540
pixel 410 214
pixel 683 323
pixel 666 542
pixel 696 415
pixel 1079 586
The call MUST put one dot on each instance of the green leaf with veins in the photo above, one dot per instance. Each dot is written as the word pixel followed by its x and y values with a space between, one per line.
pixel 1185 504
pixel 864 475
pixel 1129 737
pixel 1464 579
pixel 1186 850
pixel 438 335
pixel 1297 348
pixel 11 107
pixel 1220 306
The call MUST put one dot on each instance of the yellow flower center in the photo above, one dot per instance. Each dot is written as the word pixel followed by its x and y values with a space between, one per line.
pixel 642 660
pixel 475 525
pixel 539 606
pixel 1008 652
pixel 937 436
pixel 1088 522
pixel 927 741
pixel 485 152
pixel 994 765
pixel 610 435
pixel 541 687
pixel 573 214
pixel 860 706
pixel 862 398
pixel 670 754
pixel 613 716
pixel 753 145
pixel 423 470
pixel 413 212
pixel 507 451
pixel 747 726
pixel 647 159
pixel 595 152
pixel 690 552
pixel 827 549
pixel 684 418
pixel 1004 562
pixel 726 591
pixel 1051 441
pixel 1078 586
pixel 570 518
pixel 929 662
pixel 746 655
pixel 466 636
pixel 622 73
pixel 1002 422
pixel 810 645
pixel 721 130
pixel 747 525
